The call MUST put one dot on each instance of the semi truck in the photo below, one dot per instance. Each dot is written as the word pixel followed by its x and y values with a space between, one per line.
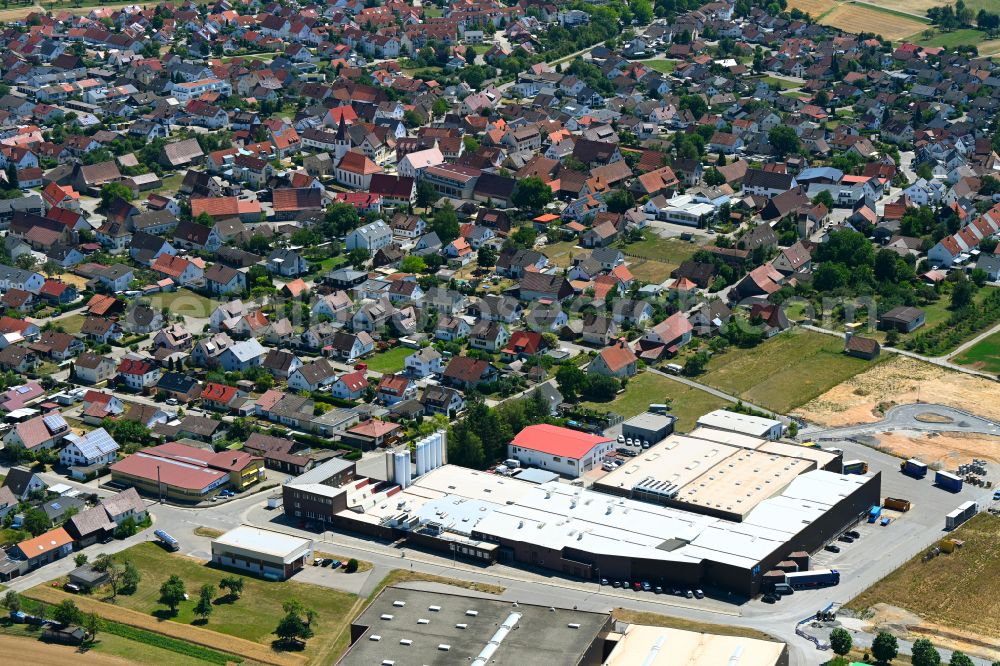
pixel 874 514
pixel 819 578
pixel 948 481
pixel 855 467
pixel 168 541
pixel 914 468
pixel 896 504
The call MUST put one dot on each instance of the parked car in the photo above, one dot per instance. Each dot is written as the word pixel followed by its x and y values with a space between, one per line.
pixel 646 587
pixel 658 590
pixel 845 538
pixel 699 594
pixel 637 586
pixel 832 547
pixel 689 594
pixel 604 581
pixel 621 439
pixel 769 598
pixel 854 534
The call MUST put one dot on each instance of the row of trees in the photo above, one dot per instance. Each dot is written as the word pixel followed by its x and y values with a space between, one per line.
pixel 885 648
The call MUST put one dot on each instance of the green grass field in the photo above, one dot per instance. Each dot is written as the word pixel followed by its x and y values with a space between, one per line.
pixel 960 589
pixel 666 250
pixel 984 355
pixel 389 361
pixel 784 372
pixel 184 302
pixel 780 83
pixel 10 536
pixel 253 617
pixel 71 324
pixel 950 39
pixel 662 66
pixel 687 403
pixel 561 254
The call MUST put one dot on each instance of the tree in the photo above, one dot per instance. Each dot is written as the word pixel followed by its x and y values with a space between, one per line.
pixel 233 585
pixel 12 601
pixel 714 178
pixel 412 264
pixel 962 292
pixel 102 562
pixel 92 623
pixel 695 365
pixel 172 592
pixel 959 658
pixel 924 653
pixel 358 257
pixel 486 256
pixel 352 565
pixel 36 521
pixel 825 198
pixel 340 219
pixel 600 388
pixel 783 140
pixel 112 191
pixel 80 559
pixel 979 277
pixel 445 223
pixel 130 578
pixel 127 528
pixel 840 641
pixel 620 201
pixel 524 236
pixel 26 262
pixel 204 606
pixel 296 626
pixel 66 613
pixel 426 194
pixel 571 380
pixel 532 193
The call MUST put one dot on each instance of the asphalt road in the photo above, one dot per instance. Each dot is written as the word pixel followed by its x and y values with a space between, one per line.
pixel 904 417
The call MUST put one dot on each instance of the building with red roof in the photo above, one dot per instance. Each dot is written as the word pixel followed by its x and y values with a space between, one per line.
pixel 560 450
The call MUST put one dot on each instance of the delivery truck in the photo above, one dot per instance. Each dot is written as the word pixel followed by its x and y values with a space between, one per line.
pixel 914 468
pixel 799 580
pixel 948 481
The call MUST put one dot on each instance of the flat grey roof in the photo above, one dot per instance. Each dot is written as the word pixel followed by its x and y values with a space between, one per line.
pixel 650 421
pixel 539 636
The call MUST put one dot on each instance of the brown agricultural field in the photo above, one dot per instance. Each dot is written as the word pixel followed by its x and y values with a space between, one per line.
pixel 859 18
pixel 815 8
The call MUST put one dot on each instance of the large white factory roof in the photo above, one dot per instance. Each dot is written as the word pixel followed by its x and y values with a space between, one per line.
pixel 557 515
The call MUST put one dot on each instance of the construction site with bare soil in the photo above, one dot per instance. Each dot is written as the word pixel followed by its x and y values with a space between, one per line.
pixel 865 397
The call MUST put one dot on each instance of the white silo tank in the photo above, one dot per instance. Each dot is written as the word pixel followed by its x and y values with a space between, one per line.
pixel 444 446
pixel 421 455
pixel 436 448
pixel 402 468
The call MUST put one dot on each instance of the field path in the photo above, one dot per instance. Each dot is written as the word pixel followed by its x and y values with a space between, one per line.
pixel 21 650
pixel 185 632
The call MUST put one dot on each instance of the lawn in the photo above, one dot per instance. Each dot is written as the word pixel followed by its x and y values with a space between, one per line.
pixel 686 403
pixel 253 617
pixel 10 536
pixel 784 372
pixel 389 361
pixel 71 324
pixel 667 250
pixel 951 38
pixel 960 590
pixel 984 355
pixel 650 271
pixel 171 183
pixel 184 302
pixel 780 83
pixel 662 66
pixel 561 254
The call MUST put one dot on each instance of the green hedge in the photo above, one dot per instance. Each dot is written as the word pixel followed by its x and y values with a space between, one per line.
pixel 168 643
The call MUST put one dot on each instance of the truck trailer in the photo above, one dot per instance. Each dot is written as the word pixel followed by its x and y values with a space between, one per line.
pixel 914 468
pixel 819 578
pixel 168 541
pixel 948 481
pixel 855 467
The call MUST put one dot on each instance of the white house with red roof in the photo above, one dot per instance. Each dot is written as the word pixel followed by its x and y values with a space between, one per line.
pixel 560 450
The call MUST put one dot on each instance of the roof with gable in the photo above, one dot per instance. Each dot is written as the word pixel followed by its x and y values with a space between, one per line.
pixel 557 441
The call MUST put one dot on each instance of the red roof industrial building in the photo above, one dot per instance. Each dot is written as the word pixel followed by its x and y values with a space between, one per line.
pixel 560 450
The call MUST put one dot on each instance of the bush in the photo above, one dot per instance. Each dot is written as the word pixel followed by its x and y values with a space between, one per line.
pixel 352 565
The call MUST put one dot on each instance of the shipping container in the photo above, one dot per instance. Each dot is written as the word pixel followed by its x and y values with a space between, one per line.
pixel 948 481
pixel 817 578
pixel 874 513
pixel 964 512
pixel 896 504
pixel 914 468
pixel 855 467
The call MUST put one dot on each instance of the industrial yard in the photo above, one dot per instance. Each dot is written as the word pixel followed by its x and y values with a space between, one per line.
pixel 956 594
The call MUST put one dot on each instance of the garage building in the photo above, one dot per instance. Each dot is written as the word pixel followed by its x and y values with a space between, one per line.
pixel 269 554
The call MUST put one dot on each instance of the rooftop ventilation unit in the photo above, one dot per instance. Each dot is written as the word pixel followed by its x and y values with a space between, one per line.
pixel 374 637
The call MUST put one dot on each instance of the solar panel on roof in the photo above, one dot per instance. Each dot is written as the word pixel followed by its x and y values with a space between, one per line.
pixel 22 389
pixel 55 423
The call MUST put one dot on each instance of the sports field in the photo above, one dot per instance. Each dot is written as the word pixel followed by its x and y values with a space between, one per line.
pixel 863 18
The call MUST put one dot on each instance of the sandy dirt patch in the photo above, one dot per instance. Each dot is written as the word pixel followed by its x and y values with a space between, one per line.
pixel 946 450
pixel 19 650
pixel 909 626
pixel 898 381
